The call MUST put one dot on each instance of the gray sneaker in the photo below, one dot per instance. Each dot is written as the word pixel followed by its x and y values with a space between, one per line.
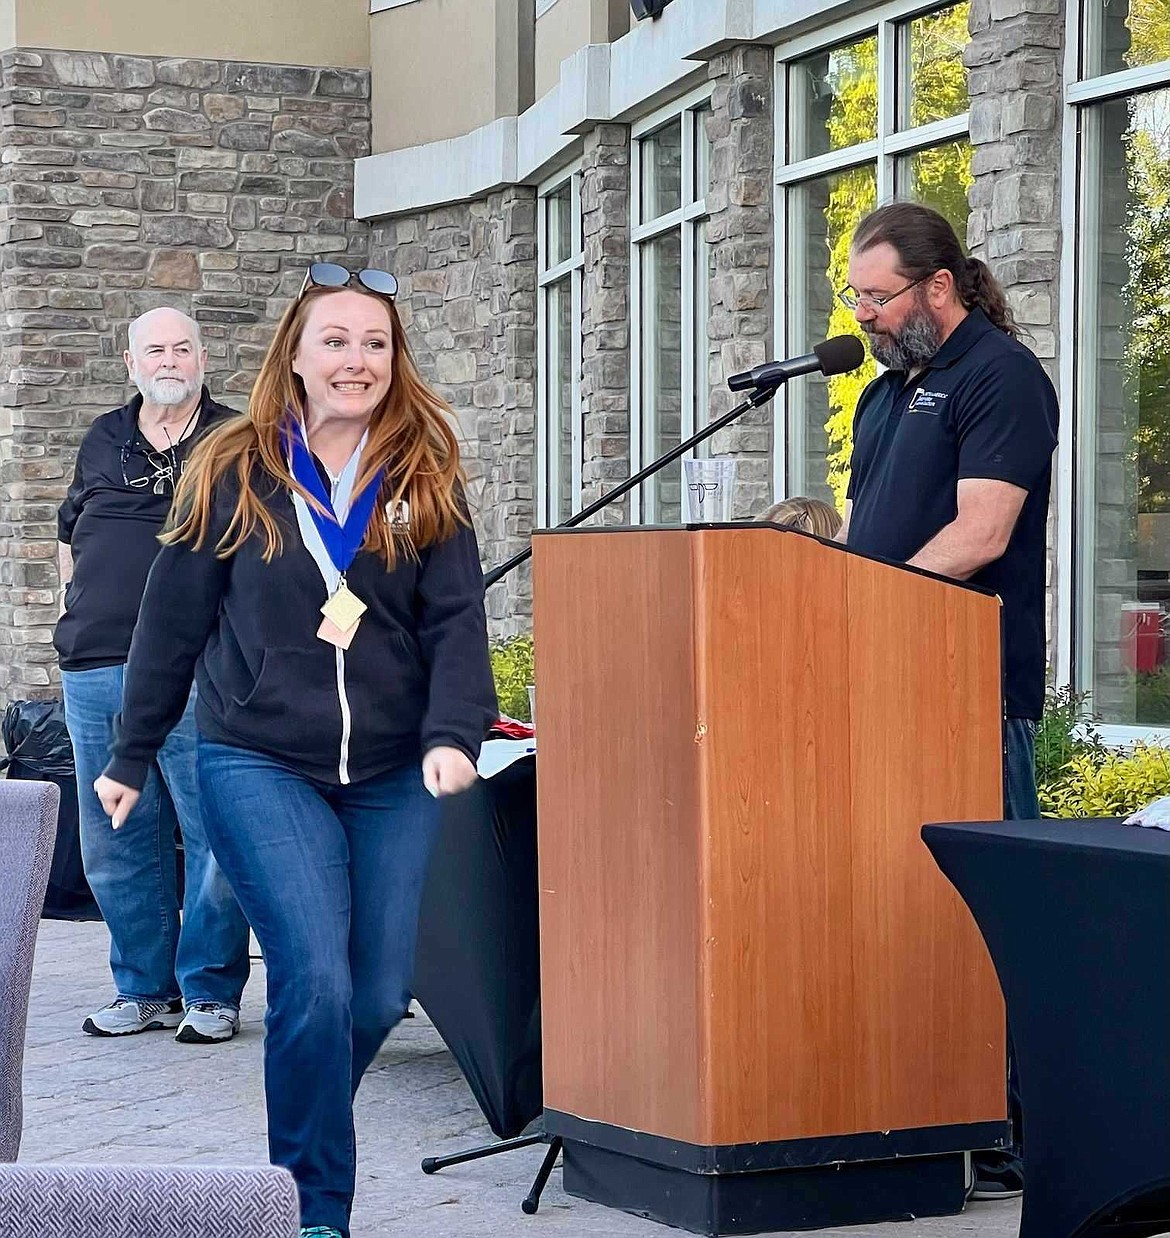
pixel 126 1017
pixel 206 1022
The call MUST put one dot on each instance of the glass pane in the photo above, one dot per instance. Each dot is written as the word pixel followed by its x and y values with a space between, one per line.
pixel 662 370
pixel 832 100
pixel 559 226
pixel 702 156
pixel 940 177
pixel 822 216
pixel 704 259
pixel 1125 34
pixel 662 171
pixel 1125 407
pixel 932 78
pixel 559 369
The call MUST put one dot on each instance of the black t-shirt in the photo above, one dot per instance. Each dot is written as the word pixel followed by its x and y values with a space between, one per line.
pixel 982 408
pixel 111 518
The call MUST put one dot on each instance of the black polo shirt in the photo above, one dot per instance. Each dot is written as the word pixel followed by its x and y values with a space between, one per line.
pixel 982 408
pixel 111 519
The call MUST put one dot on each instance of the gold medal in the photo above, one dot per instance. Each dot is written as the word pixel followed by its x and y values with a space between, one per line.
pixel 343 609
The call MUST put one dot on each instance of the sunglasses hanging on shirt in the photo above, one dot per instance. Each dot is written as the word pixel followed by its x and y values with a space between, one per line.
pixel 164 470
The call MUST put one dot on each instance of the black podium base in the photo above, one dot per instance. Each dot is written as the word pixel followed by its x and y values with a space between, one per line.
pixel 757 1188
pixel 816 1197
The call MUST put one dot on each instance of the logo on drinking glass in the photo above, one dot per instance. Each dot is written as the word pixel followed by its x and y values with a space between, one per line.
pixel 703 490
pixel 709 485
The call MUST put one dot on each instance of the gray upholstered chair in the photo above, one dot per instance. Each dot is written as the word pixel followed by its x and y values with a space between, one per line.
pixel 28 826
pixel 147 1201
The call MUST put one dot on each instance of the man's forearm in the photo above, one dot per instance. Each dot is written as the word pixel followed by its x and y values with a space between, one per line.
pixel 958 550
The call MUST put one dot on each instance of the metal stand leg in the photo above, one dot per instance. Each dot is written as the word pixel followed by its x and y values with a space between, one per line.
pixel 532 1200
pixel 433 1163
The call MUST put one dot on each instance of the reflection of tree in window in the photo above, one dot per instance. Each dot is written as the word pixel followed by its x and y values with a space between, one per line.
pixel 940 175
pixel 1127 34
pixel 1147 354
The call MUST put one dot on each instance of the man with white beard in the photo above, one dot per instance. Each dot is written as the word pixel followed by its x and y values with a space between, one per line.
pixel 170 971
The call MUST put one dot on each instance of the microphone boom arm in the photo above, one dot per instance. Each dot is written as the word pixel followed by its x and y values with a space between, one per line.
pixel 758 398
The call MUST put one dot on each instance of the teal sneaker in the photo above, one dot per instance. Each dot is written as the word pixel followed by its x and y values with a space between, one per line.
pixel 319 1231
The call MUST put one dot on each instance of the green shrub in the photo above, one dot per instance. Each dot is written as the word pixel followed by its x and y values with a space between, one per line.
pixel 512 669
pixel 1066 730
pixel 1152 697
pixel 1108 784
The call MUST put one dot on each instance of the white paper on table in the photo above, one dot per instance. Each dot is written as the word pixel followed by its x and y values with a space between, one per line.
pixel 498 754
pixel 1155 815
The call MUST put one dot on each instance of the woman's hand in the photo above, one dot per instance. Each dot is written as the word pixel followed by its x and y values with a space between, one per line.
pixel 446 771
pixel 117 799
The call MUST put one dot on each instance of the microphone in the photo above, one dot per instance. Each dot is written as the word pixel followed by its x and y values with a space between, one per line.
pixel 836 356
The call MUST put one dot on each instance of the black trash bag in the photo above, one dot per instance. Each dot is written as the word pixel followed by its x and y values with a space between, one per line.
pixel 38 747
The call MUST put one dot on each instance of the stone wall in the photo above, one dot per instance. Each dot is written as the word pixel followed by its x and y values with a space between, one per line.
pixel 740 230
pixel 130 182
pixel 467 296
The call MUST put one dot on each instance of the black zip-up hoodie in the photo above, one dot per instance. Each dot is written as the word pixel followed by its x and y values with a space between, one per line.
pixel 416 676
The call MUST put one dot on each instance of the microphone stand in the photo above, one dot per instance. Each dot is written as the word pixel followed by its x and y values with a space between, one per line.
pixel 759 397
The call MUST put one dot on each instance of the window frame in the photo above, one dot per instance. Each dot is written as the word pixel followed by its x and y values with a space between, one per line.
pixel 884 151
pixel 1075 480
pixel 547 489
pixel 689 219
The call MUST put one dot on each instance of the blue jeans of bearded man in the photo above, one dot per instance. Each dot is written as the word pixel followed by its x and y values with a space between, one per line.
pixel 1020 803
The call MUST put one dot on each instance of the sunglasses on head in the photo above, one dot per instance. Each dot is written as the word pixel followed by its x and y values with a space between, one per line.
pixel 334 275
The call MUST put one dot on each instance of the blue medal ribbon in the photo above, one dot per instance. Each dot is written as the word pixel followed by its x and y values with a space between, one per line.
pixel 342 540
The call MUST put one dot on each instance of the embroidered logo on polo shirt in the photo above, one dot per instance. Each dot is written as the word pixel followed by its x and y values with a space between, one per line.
pixel 924 401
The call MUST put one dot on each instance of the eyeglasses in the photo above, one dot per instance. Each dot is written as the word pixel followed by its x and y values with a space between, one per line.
pixel 334 275
pixel 165 468
pixel 852 299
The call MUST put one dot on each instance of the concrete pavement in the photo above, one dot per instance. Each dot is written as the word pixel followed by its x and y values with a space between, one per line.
pixel 150 1099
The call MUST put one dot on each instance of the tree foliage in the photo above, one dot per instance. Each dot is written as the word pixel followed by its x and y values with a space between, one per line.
pixel 1147 293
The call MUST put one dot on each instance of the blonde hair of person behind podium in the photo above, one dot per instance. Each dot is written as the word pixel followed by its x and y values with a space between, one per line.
pixel 808 515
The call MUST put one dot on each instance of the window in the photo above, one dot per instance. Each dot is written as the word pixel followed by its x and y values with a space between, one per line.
pixel 1122 370
pixel 560 441
pixel 670 278
pixel 877 113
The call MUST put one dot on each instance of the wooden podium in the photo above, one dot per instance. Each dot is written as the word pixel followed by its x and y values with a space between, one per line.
pixel 763 1006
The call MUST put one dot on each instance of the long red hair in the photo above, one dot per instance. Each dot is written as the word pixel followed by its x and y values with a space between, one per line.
pixel 409 435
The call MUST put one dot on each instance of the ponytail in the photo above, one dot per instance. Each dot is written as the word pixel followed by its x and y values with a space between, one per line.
pixel 925 242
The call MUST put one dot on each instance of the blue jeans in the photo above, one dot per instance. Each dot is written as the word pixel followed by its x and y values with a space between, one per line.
pixel 331 879
pixel 133 871
pixel 1020 802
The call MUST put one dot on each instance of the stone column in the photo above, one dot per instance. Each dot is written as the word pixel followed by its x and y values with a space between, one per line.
pixel 605 325
pixel 1015 58
pixel 740 231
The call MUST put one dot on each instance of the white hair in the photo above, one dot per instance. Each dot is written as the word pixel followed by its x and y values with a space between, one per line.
pixel 145 319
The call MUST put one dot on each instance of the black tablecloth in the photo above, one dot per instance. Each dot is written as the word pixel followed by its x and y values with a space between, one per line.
pixel 477 965
pixel 1076 915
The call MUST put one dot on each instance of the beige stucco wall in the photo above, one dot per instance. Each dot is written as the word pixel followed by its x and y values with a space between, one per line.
pixel 571 24
pixel 441 68
pixel 308 32
pixel 7 24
